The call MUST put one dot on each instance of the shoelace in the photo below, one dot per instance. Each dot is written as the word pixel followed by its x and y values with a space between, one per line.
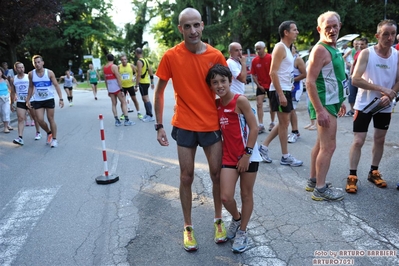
pixel 219 226
pixel 190 238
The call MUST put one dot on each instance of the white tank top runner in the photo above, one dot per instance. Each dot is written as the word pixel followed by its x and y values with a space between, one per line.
pixel 44 89
pixel 285 72
pixel 381 71
pixel 21 88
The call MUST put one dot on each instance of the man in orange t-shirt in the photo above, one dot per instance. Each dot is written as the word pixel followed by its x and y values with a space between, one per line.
pixel 195 121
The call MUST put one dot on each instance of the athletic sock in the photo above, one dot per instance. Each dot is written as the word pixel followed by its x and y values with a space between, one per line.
pixel 353 172
pixel 372 168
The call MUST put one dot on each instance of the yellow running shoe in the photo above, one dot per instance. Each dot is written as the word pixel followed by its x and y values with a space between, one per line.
pixel 190 243
pixel 220 232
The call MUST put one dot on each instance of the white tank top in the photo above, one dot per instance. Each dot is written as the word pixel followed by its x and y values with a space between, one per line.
pixel 44 89
pixel 21 88
pixel 380 71
pixel 68 81
pixel 285 72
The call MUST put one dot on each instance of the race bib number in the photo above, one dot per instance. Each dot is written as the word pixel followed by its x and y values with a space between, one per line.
pixel 345 86
pixel 125 76
pixel 22 97
pixel 42 94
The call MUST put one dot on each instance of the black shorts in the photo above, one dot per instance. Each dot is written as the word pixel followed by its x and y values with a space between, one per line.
pixel 129 90
pixel 69 88
pixel 275 102
pixel 22 105
pixel 93 83
pixel 361 121
pixel 190 139
pixel 48 104
pixel 144 89
pixel 260 92
pixel 253 167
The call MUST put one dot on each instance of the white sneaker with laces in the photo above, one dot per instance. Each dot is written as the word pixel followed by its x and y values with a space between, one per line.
pixel 54 143
pixel 292 138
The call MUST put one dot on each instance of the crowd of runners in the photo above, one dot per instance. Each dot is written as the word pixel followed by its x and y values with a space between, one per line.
pixel 227 128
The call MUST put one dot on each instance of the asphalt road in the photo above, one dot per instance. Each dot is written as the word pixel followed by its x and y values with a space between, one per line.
pixel 53 213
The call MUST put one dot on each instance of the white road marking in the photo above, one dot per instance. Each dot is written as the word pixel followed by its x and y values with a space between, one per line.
pixel 19 217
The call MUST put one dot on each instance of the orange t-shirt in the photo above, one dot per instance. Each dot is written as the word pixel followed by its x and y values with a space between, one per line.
pixel 195 107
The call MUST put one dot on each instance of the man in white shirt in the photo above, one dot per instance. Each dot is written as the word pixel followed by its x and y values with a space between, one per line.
pixel 238 67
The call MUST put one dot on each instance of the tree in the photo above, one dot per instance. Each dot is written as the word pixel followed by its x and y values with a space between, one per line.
pixel 18 18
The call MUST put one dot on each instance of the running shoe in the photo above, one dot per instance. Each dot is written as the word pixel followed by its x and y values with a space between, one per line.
pixel 271 126
pixel 49 139
pixel 95 98
pixel 122 117
pixel 240 243
pixel 54 143
pixel 375 178
pixel 27 123
pixel 130 110
pixel 18 141
pixel 10 128
pixel 148 118
pixel 264 154
pixel 129 123
pixel 233 227
pixel 32 123
pixel 38 136
pixel 139 116
pixel 291 161
pixel 189 241
pixel 118 123
pixel 292 138
pixel 330 194
pixel 261 129
pixel 312 185
pixel 70 104
pixel 351 186
pixel 350 113
pixel 220 232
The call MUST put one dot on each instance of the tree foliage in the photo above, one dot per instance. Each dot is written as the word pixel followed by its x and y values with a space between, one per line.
pixel 250 21
pixel 19 17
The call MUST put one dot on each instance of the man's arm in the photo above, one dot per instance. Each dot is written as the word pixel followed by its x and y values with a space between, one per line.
pixel 395 87
pixel 139 70
pixel 254 75
pixel 158 108
pixel 151 73
pixel 300 64
pixel 56 86
pixel 115 70
pixel 360 82
pixel 277 57
pixel 243 74
pixel 30 90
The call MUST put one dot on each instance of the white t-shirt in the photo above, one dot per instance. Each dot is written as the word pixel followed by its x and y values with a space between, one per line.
pixel 235 67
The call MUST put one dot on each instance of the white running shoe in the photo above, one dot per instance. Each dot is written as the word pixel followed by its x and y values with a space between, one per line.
pixel 54 143
pixel 38 136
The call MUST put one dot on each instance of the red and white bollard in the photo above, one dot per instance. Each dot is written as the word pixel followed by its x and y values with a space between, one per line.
pixel 106 178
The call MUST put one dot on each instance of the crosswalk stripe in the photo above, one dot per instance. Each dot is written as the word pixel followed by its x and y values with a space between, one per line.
pixel 20 216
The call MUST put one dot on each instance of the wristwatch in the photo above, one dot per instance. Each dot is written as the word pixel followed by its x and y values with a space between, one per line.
pixel 158 126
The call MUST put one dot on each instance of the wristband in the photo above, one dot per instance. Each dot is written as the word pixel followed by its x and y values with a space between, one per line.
pixel 151 77
pixel 249 150
pixel 61 100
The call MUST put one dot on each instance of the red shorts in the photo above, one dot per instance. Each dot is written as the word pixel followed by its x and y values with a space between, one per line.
pixel 114 93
